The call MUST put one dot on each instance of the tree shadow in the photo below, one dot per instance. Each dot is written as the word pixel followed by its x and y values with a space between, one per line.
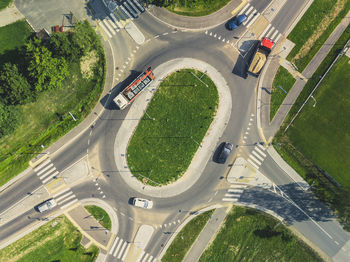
pixel 266 232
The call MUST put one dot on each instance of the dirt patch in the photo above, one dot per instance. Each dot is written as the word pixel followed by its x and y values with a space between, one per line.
pixel 304 50
pixel 87 64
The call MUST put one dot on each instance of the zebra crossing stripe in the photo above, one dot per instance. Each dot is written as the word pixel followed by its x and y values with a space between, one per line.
pixel 150 258
pixel 233 195
pixel 249 10
pixel 105 30
pixel 64 195
pixel 42 165
pixel 66 199
pixel 145 258
pixel 126 251
pixel 138 5
pixel 108 26
pixel 244 8
pixel 118 247
pixel 266 29
pixel 235 190
pixel 253 20
pixel 113 246
pixel 116 20
pixel 274 34
pixel 42 176
pixel 49 177
pixel 261 147
pixel 230 199
pixel 270 31
pixel 126 12
pixel 278 38
pixel 68 204
pixel 258 156
pixel 253 164
pixel 238 186
pixel 122 250
pixel 130 9
pixel 44 169
pixel 255 160
pixel 260 152
pixel 115 27
pixel 133 6
pixel 60 193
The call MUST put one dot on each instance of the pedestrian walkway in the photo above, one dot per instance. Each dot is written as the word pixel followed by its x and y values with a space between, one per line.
pixel 270 128
pixel 46 171
pixel 10 15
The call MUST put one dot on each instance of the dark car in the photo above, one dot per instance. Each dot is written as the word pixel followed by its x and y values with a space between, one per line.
pixel 237 21
pixel 224 152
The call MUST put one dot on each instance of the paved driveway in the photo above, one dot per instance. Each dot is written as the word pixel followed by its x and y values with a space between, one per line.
pixel 46 13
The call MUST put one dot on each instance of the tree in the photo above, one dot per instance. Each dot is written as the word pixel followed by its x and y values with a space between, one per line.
pixel 9 118
pixel 14 87
pixel 61 46
pixel 45 71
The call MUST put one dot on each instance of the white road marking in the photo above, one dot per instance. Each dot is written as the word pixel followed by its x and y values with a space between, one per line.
pixel 126 251
pixel 260 152
pixel 255 160
pixel 258 156
pixel 253 164
pixel 70 203
pixel 113 246
pixel 44 169
pixel 261 147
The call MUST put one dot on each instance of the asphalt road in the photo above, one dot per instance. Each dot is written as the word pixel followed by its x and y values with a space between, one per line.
pixel 211 186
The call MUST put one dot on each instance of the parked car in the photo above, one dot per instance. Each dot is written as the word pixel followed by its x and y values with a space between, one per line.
pixel 141 202
pixel 236 21
pixel 47 205
pixel 225 151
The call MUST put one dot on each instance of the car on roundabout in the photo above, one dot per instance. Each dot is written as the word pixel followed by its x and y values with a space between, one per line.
pixel 141 202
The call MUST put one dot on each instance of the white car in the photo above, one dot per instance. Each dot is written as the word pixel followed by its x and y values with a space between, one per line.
pixel 48 204
pixel 143 203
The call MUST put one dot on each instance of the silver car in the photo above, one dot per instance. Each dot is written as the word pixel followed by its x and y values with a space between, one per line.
pixel 141 202
pixel 47 205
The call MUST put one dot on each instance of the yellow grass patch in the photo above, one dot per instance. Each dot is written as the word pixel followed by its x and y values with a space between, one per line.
pixel 87 64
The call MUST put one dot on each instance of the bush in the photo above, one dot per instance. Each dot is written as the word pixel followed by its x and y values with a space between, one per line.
pixel 9 118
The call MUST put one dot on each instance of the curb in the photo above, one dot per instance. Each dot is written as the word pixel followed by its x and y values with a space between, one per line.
pixel 182 225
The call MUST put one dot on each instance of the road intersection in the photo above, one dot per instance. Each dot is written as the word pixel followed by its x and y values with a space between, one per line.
pixel 94 146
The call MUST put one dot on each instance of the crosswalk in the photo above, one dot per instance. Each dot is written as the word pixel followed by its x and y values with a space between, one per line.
pixel 125 12
pixel 46 171
pixel 120 249
pixel 65 198
pixel 252 14
pixel 234 192
pixel 257 156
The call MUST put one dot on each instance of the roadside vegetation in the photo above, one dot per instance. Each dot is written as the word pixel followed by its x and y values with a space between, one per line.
pixel 284 80
pixel 249 235
pixel 191 7
pixel 41 81
pixel 186 238
pixel 314 28
pixel 4 4
pixel 57 240
pixel 317 144
pixel 100 215
pixel 183 108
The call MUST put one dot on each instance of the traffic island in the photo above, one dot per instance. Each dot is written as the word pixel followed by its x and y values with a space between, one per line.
pixel 202 149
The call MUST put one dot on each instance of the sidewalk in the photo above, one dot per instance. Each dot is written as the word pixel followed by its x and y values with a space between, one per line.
pixel 196 23
pixel 10 15
pixel 270 128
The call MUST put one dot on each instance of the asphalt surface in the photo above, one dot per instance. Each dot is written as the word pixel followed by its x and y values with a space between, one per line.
pixel 97 142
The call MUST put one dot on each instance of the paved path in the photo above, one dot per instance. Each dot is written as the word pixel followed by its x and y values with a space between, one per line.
pixel 270 129
pixel 208 233
pixel 10 15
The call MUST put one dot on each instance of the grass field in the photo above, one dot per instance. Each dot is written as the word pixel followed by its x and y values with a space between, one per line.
pixel 3 5
pixel 183 108
pixel 329 145
pixel 186 237
pixel 100 215
pixel 285 80
pixel 314 28
pixel 12 37
pixel 60 242
pixel 196 7
pixel 248 235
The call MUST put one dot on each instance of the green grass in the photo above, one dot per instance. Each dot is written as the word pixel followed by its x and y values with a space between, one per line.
pixel 248 235
pixel 12 37
pixel 50 243
pixel 183 108
pixel 196 7
pixel 186 237
pixel 4 4
pixel 285 80
pixel 47 119
pixel 322 133
pixel 308 26
pixel 100 215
